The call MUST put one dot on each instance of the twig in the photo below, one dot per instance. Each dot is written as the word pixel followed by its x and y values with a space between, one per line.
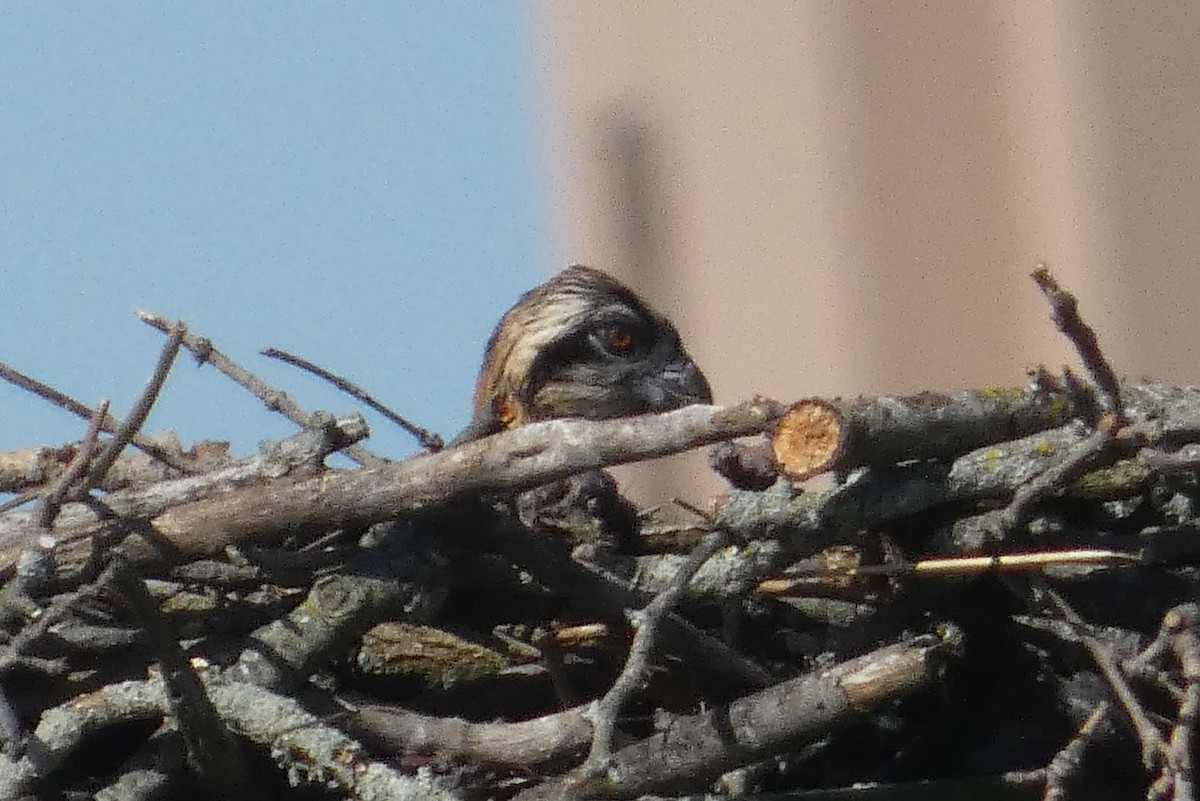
pixel 1148 735
pixel 555 736
pixel 1081 458
pixel 53 500
pixel 54 612
pixel 79 527
pixel 1068 762
pixel 211 747
pixel 604 712
pixel 952 566
pixel 110 424
pixel 141 409
pixel 1064 310
pixel 428 440
pixel 589 586
pixel 312 752
pixel 275 400
pixel 1179 633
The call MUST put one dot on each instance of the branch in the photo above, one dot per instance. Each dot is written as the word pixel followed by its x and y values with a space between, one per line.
pixel 692 751
pixel 428 440
pixel 311 751
pixel 110 424
pixel 53 500
pixel 524 744
pixel 816 435
pixel 1064 310
pixel 604 712
pixel 510 462
pixel 78 525
pixel 275 400
pixel 141 410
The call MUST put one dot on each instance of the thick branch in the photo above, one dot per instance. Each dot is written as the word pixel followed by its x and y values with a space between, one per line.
pixel 817 435
pixel 506 463
pixel 695 750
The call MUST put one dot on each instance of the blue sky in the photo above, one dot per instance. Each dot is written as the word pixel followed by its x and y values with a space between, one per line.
pixel 352 182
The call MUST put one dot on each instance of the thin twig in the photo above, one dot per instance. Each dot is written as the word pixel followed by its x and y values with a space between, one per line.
pixel 427 439
pixel 1177 779
pixel 1064 310
pixel 54 498
pixel 110 423
pixel 141 410
pixel 1081 458
pixel 275 400
pixel 1068 762
pixel 604 712
pixel 1153 747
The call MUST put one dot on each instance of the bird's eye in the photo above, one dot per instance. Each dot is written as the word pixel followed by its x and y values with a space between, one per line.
pixel 618 340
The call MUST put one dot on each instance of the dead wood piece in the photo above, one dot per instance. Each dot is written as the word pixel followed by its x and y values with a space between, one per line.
pixel 1064 310
pixel 730 573
pixel 337 611
pixel 510 462
pixel 314 752
pixel 1179 638
pixel 692 751
pixel 603 713
pixel 590 586
pixel 746 466
pixel 79 526
pixel 805 522
pixel 440 658
pixel 63 728
pixel 55 611
pixel 1095 450
pixel 816 435
pixel 210 746
pixel 1151 740
pixel 34 468
pixel 310 750
pixel 527 744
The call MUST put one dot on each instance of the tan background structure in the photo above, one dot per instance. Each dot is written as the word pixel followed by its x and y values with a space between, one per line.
pixel 845 197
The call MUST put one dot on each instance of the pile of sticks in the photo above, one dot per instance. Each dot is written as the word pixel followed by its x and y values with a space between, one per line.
pixel 986 591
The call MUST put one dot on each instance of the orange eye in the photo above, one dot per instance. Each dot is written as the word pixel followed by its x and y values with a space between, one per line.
pixel 618 340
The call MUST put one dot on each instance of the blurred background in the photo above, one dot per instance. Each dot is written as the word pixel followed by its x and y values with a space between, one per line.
pixel 828 198
pixel 842 198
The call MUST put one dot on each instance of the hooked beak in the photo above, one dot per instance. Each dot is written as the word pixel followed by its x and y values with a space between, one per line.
pixel 681 383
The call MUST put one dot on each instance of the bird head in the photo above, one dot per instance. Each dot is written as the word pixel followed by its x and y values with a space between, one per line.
pixel 581 345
